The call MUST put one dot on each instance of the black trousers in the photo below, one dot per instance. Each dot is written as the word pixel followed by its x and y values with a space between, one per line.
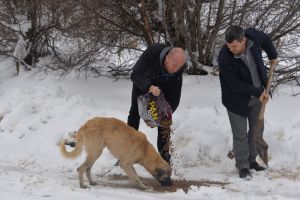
pixel 172 93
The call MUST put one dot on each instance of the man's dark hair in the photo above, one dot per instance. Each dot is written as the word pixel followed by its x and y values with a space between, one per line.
pixel 234 33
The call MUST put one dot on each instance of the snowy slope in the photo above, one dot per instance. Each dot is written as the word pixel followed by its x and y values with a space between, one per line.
pixel 38 111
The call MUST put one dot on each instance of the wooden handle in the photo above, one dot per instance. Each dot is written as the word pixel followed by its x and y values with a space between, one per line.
pixel 270 78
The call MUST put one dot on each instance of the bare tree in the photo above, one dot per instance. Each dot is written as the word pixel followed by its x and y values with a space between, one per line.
pixel 100 36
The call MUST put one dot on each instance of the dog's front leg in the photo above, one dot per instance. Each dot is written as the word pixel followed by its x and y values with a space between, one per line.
pixel 134 177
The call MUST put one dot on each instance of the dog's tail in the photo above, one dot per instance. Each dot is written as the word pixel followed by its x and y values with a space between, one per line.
pixel 76 151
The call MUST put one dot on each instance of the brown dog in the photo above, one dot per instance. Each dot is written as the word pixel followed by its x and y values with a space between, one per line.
pixel 125 143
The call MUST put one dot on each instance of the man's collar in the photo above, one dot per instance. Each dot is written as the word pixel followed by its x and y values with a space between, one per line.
pixel 249 44
pixel 162 55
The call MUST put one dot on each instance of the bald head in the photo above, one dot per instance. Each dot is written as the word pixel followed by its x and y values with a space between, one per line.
pixel 175 59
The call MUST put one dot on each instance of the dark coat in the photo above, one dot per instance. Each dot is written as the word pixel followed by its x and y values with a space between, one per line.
pixel 235 77
pixel 149 71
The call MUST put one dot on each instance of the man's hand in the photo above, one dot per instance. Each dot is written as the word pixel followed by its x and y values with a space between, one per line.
pixel 273 62
pixel 154 90
pixel 264 96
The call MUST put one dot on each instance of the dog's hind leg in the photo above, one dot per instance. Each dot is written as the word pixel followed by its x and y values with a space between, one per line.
pixel 82 168
pixel 133 176
pixel 95 157
pixel 88 174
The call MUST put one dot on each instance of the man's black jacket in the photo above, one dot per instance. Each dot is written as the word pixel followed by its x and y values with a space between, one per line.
pixel 235 77
pixel 149 71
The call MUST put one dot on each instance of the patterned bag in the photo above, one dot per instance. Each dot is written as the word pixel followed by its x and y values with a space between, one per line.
pixel 153 110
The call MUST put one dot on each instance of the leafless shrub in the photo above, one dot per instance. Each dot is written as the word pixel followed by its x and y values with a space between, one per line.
pixel 105 37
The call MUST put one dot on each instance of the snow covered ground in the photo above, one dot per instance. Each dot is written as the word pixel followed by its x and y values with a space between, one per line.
pixel 38 111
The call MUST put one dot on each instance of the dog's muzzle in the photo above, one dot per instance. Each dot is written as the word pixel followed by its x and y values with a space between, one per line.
pixel 166 182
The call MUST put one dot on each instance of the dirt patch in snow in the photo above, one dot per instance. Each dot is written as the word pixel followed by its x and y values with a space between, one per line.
pixel 123 181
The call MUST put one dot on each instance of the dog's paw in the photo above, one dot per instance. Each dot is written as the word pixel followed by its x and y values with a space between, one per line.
pixel 93 183
pixel 83 186
pixel 149 189
pixel 144 187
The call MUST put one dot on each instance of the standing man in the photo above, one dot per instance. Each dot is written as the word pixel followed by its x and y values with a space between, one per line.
pixel 158 69
pixel 243 78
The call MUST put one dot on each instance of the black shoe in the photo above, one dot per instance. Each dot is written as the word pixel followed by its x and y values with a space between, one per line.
pixel 257 167
pixel 245 173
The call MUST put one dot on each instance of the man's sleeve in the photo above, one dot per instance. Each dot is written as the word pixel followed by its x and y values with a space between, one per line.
pixel 267 44
pixel 139 71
